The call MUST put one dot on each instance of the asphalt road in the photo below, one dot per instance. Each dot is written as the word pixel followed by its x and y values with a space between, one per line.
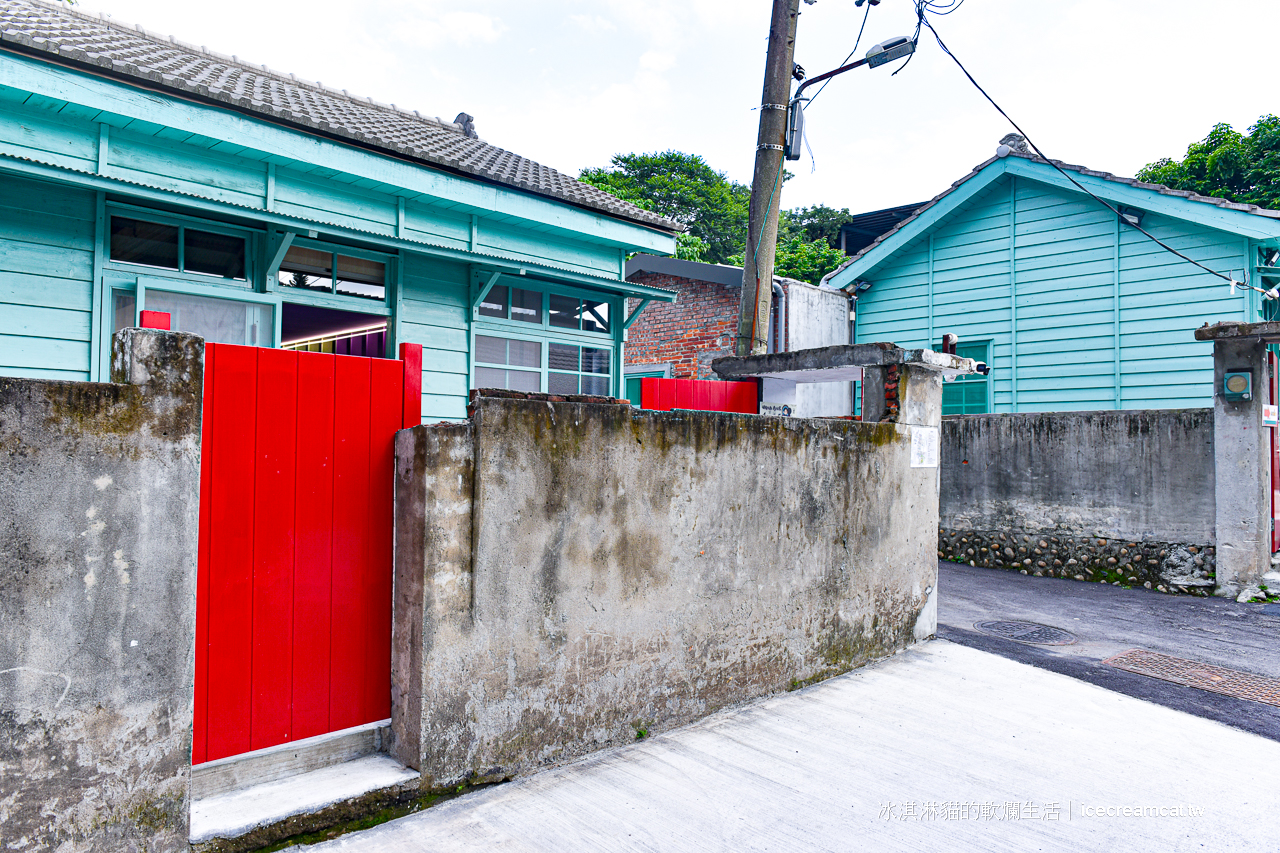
pixel 1108 620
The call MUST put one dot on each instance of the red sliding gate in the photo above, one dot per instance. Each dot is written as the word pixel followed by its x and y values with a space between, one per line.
pixel 293 625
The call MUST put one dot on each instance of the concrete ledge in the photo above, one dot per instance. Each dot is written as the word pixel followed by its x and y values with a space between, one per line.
pixel 239 813
pixel 837 363
pixel 1269 332
pixel 288 759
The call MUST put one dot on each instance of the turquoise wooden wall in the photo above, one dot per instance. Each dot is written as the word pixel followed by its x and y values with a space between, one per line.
pixel 435 313
pixel 71 143
pixel 1080 313
pixel 46 279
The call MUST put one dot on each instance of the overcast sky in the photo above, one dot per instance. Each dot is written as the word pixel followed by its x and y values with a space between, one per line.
pixel 1110 84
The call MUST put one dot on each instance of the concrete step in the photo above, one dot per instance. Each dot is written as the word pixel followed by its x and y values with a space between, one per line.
pixel 233 797
pixel 238 813
pixel 288 759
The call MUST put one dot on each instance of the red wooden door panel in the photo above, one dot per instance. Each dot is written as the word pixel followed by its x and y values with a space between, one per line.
pixel 293 626
pixel 313 527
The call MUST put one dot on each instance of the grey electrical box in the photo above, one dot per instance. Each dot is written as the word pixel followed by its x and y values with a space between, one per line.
pixel 795 129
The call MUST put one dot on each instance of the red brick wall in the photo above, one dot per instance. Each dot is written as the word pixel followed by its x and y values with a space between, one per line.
pixel 689 333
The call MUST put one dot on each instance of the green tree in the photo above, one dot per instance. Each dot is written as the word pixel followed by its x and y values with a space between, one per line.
pixel 1227 164
pixel 803 261
pixel 818 222
pixel 684 188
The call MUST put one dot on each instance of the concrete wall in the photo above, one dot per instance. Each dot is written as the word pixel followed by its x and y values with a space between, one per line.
pixel 99 489
pixel 570 576
pixel 818 317
pixel 1243 446
pixel 1120 497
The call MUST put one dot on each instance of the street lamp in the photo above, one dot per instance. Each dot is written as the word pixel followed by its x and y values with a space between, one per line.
pixel 884 52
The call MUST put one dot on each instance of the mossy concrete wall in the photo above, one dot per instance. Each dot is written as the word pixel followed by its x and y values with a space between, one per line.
pixel 99 489
pixel 571 576
pixel 1125 497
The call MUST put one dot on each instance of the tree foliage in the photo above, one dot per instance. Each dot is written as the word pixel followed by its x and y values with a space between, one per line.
pixel 684 188
pixel 804 261
pixel 681 187
pixel 1227 164
pixel 818 222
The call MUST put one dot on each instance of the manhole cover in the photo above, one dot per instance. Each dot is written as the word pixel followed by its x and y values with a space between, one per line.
pixel 1204 676
pixel 1027 632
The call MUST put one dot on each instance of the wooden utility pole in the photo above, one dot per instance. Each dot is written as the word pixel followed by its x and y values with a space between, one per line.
pixel 766 185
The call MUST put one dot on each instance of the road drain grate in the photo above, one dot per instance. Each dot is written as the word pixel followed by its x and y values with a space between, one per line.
pixel 1027 632
pixel 1205 676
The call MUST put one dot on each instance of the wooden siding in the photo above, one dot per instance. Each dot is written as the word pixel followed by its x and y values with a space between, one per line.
pixel 1103 318
pixel 46 279
pixel 95 136
pixel 434 313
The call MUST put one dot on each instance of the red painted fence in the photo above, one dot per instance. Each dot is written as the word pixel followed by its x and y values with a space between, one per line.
pixel 705 395
pixel 293 626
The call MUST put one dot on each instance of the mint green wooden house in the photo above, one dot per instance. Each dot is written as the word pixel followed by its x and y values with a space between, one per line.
pixel 1072 308
pixel 140 173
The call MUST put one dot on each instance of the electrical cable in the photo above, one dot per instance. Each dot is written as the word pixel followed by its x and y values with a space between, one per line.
pixel 856 42
pixel 921 8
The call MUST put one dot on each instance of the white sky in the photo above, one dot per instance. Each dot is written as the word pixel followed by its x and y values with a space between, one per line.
pixel 1110 84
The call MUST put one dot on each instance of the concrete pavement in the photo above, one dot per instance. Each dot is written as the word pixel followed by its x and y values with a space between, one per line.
pixel 1108 620
pixel 936 748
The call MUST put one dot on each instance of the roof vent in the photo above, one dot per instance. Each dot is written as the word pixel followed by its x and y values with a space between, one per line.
pixel 468 125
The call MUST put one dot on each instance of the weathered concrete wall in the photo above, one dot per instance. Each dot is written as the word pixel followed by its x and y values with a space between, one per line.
pixel 1243 451
pixel 570 576
pixel 818 317
pixel 1121 497
pixel 99 489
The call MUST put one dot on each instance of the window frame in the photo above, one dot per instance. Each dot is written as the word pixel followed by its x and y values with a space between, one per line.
pixel 332 299
pixel 544 333
pixel 974 379
pixel 252 238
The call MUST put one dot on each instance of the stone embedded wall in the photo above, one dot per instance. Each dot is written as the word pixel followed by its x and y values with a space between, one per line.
pixel 99 490
pixel 570 576
pixel 1163 566
pixel 1122 497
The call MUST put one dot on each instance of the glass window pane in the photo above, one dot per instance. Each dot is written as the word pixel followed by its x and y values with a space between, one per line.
pixel 361 277
pixel 562 383
pixel 562 357
pixel 136 242
pixel 307 268
pixel 525 354
pixel 124 307
pixel 595 316
pixel 526 305
pixel 523 380
pixel 219 321
pixel 491 350
pixel 213 254
pixel 490 377
pixel 562 311
pixel 596 360
pixel 598 385
pixel 495 304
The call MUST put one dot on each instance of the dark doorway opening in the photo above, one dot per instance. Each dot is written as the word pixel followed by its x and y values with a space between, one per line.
pixel 312 329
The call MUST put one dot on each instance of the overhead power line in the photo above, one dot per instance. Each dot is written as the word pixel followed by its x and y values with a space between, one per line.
pixel 856 42
pixel 925 6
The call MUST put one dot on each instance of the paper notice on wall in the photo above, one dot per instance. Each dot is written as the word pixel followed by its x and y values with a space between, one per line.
pixel 1270 415
pixel 924 447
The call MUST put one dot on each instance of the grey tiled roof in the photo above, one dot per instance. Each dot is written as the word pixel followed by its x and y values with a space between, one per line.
pixel 166 63
pixel 1106 176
